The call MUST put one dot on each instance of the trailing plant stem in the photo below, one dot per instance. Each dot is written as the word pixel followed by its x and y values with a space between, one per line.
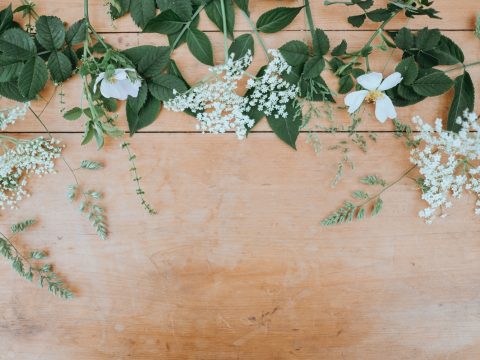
pixel 311 24
pixel 224 19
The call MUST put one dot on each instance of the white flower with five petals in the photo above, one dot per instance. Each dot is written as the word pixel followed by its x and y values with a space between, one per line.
pixel 375 93
pixel 120 85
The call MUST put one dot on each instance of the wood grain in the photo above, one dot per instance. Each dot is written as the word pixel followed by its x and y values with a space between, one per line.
pixel 236 265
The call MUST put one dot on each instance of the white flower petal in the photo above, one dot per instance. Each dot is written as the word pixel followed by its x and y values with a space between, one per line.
pixel 384 109
pixel 120 74
pixel 370 81
pixel 355 99
pixel 110 90
pixel 99 78
pixel 391 81
pixel 128 88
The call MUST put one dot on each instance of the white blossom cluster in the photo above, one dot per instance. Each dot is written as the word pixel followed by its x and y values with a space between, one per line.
pixel 449 163
pixel 9 115
pixel 215 103
pixel 270 93
pixel 17 164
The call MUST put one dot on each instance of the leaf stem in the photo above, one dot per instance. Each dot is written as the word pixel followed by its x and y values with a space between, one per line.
pixel 225 40
pixel 185 28
pixel 463 66
pixel 311 25
pixel 257 35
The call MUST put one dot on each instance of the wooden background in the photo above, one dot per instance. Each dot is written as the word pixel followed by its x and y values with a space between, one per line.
pixel 236 265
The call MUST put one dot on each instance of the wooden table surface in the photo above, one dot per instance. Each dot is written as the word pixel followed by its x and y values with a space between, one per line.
pixel 236 265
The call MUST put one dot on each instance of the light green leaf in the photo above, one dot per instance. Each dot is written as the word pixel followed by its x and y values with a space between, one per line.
pixel 73 114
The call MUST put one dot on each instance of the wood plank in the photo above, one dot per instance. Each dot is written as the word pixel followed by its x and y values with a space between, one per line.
pixel 167 121
pixel 461 17
pixel 236 266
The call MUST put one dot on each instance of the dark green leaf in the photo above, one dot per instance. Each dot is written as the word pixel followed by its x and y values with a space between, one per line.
pixel 11 91
pixel 341 49
pixel 287 129
pixel 277 19
pixel 214 13
pixel 76 33
pixel 243 5
pixel 346 84
pixel 357 20
pixel 153 62
pixel 118 8
pixel 200 46
pixel 313 67
pixel 379 15
pixel 33 77
pixel 321 43
pixel 404 39
pixel 6 18
pixel 182 8
pixel 9 68
pixel 166 23
pixel 428 39
pixel 241 45
pixel 162 86
pixel 50 32
pixel 409 70
pixel 295 52
pixel 447 52
pixel 60 67
pixel 464 99
pixel 16 43
pixel 142 11
pixel 433 84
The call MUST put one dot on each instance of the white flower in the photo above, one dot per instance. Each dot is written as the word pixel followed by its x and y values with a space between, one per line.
pixel 374 93
pixel 120 85
pixel 11 113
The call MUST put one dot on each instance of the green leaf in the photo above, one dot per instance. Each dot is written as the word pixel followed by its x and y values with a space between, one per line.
pixel 16 43
pixel 321 43
pixel 9 68
pixel 182 8
pixel 433 84
pixel 33 77
pixel 428 39
pixel 60 67
pixel 6 18
pixel 341 49
pixel 200 46
pixel 409 70
pixel 241 45
pixel 154 61
pixel 287 129
pixel 379 15
pixel 214 13
pixel 90 165
pixel 404 39
pixel 346 84
pixel 76 33
pixel 357 20
pixel 243 5
pixel 463 99
pixel 11 91
pixel 277 19
pixel 447 52
pixel 142 110
pixel 166 23
pixel 73 114
pixel 118 8
pixel 163 86
pixel 295 52
pixel 50 32
pixel 313 67
pixel 142 11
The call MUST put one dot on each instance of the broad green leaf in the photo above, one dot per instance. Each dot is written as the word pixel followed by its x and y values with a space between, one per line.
pixel 214 13
pixel 315 89
pixel 463 99
pixel 136 54
pixel 287 129
pixel 321 43
pixel 241 45
pixel 313 67
pixel 340 49
pixel 295 52
pixel 154 61
pixel 277 19
pixel 428 39
pixel 163 86
pixel 346 84
pixel 243 5
pixel 447 52
pixel 379 15
pixel 118 8
pixel 142 11
pixel 200 46
pixel 404 39
pixel 166 23
pixel 76 33
pixel 60 66
pixel 16 43
pixel 33 77
pixel 409 70
pixel 182 8
pixel 357 20
pixel 9 68
pixel 73 114
pixel 6 18
pixel 50 32
pixel 142 110
pixel 11 91
pixel 433 84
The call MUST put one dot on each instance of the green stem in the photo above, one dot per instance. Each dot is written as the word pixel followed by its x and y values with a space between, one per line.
pixel 225 39
pixel 257 35
pixel 463 66
pixel 311 24
pixel 90 27
pixel 185 28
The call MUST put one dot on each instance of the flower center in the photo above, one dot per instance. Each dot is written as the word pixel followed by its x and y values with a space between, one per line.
pixel 112 80
pixel 373 96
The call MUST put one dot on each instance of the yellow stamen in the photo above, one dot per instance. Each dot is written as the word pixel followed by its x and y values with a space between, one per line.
pixel 373 96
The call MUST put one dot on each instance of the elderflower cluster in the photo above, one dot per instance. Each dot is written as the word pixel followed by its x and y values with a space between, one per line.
pixel 270 93
pixel 449 163
pixel 215 103
pixel 10 115
pixel 17 164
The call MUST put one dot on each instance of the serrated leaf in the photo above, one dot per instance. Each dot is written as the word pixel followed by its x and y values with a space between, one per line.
pixel 60 66
pixel 16 43
pixel 313 67
pixel 73 114
pixel 183 8
pixel 33 77
pixel 409 70
pixel 200 46
pixel 321 43
pixel 166 23
pixel 379 15
pixel 90 165
pixel 463 99
pixel 340 49
pixel 76 33
pixel 277 19
pixel 142 11
pixel 356 20
pixel 427 39
pixel 434 84
pixel 163 86
pixel 447 52
pixel 404 39
pixel 118 8
pixel 294 52
pixel 11 91
pixel 241 45
pixel 154 61
pixel 287 129
pixel 9 68
pixel 214 13
pixel 50 32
